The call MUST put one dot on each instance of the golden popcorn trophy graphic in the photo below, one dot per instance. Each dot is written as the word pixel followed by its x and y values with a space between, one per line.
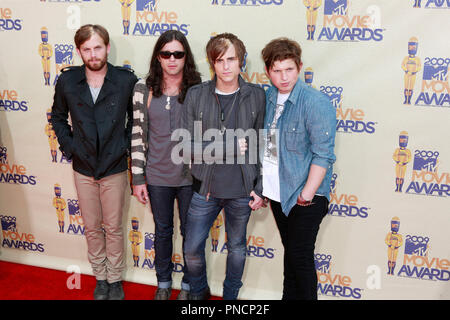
pixel 401 156
pixel 410 65
pixel 135 237
pixel 52 139
pixel 312 7
pixel 394 241
pixel 60 205
pixel 45 51
pixel 126 13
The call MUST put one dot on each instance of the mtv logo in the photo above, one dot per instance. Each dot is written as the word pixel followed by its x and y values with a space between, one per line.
pixel 336 99
pixel 146 5
pixel 334 94
pixel 416 245
pixel 335 7
pixel 425 160
pixel 8 223
pixel 149 243
pixel 3 155
pixel 322 262
pixel 64 54
pixel 431 72
pixel 74 208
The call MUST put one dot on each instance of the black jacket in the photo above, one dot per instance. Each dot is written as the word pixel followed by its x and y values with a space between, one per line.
pixel 99 135
pixel 201 105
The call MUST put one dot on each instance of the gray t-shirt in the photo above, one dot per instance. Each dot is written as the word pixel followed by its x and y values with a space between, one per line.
pixel 94 92
pixel 160 170
pixel 227 181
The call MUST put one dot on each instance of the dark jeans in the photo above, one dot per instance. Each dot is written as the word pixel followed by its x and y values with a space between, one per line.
pixel 162 203
pixel 298 233
pixel 200 218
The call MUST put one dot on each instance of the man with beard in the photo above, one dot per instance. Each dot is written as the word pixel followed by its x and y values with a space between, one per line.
pixel 98 97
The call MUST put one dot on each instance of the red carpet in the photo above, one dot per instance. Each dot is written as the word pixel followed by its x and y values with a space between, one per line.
pixel 39 286
pixel 24 282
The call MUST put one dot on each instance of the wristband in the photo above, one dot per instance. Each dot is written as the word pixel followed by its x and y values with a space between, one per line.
pixel 302 202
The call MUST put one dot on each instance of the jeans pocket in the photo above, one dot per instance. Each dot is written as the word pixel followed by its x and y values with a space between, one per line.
pixel 200 207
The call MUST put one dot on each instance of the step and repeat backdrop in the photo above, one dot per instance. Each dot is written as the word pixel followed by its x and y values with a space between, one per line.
pixel 385 67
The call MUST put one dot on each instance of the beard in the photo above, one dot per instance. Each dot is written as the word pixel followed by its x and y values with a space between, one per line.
pixel 95 64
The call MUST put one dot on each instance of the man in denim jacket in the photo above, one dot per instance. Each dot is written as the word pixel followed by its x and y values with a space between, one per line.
pixel 297 163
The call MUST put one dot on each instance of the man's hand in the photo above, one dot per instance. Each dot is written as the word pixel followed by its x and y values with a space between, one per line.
pixel 257 201
pixel 242 146
pixel 303 202
pixel 140 192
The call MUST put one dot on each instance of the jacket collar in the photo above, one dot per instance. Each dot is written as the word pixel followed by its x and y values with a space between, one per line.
pixel 107 88
pixel 110 72
pixel 243 86
pixel 296 91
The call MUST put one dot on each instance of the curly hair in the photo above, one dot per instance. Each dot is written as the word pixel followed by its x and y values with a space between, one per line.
pixel 191 76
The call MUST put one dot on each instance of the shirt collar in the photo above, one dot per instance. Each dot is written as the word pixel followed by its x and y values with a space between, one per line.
pixel 298 88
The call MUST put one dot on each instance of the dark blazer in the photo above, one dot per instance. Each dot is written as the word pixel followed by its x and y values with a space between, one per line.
pixel 100 134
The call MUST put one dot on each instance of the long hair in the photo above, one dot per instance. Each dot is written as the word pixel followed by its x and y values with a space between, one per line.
pixel 191 76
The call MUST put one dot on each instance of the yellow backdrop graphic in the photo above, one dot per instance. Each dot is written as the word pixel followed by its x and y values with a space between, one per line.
pixel 389 58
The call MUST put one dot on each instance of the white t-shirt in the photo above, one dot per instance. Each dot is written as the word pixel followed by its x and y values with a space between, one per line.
pixel 271 178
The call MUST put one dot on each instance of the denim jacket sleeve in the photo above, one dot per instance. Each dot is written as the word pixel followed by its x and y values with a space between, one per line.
pixel 321 126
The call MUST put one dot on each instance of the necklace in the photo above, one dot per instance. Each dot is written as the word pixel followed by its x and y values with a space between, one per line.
pixel 224 118
pixel 168 103
pixel 168 107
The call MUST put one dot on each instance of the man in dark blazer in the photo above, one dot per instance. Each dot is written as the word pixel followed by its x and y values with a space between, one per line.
pixel 98 97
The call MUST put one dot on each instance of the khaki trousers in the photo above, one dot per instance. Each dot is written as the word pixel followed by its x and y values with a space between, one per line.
pixel 101 201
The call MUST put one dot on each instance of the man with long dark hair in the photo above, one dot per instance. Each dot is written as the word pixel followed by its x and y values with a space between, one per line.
pixel 157 107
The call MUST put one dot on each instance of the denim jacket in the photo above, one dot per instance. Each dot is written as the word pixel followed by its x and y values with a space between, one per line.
pixel 307 129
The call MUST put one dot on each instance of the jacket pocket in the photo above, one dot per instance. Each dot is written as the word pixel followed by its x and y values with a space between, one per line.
pixel 75 145
pixel 295 138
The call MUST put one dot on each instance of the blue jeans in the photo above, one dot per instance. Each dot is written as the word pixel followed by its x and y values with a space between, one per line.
pixel 162 200
pixel 200 218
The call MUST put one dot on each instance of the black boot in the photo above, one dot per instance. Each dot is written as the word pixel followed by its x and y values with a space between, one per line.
pixel 101 290
pixel 116 291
